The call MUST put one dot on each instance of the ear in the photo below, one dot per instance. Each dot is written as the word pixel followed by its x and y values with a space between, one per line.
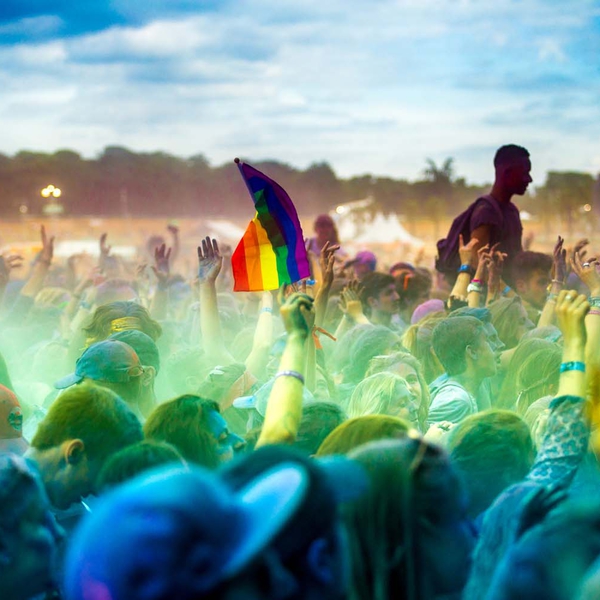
pixel 320 561
pixel 471 353
pixel 148 376
pixel 73 451
pixel 372 301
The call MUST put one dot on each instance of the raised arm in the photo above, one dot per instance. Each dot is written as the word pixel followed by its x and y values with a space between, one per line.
pixel 284 409
pixel 36 282
pixel 7 264
pixel 351 306
pixel 476 289
pixel 210 262
pixel 263 337
pixel 326 263
pixel 567 434
pixel 559 274
pixel 587 271
pixel 468 258
pixel 162 271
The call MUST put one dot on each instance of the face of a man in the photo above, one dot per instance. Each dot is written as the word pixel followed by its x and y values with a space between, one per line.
pixel 534 289
pixel 387 301
pixel 492 337
pixel 68 478
pixel 486 358
pixel 227 442
pixel 518 176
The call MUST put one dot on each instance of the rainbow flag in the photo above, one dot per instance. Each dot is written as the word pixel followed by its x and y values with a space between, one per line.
pixel 272 250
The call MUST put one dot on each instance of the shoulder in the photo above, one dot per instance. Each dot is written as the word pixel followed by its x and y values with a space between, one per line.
pixel 484 213
pixel 449 391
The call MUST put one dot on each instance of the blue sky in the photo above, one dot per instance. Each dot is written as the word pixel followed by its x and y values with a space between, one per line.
pixel 369 86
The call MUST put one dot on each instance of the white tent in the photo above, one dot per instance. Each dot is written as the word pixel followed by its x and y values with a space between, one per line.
pixel 357 227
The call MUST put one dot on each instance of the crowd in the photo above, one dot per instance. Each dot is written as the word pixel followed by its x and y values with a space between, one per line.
pixel 376 432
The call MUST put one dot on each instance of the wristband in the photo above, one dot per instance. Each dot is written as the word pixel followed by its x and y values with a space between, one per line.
pixel 477 281
pixel 574 365
pixel 474 287
pixel 293 374
pixel 466 269
pixel 266 309
pixel 506 290
pixel 594 301
pixel 594 311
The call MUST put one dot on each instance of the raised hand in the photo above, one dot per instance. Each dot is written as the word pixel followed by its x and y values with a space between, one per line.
pixel 327 262
pixel 210 260
pixel 350 303
pixel 161 265
pixel 467 251
pixel 47 252
pixel 495 267
pixel 298 315
pixel 571 309
pixel 104 251
pixel 540 503
pixel 483 263
pixel 559 265
pixel 12 261
pixel 587 271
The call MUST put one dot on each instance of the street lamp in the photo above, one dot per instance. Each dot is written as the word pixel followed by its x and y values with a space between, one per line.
pixel 50 190
pixel 53 207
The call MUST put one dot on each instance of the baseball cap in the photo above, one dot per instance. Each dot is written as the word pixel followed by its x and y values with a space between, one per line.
pixel 109 360
pixel 11 423
pixel 180 531
pixel 365 257
pixel 260 398
pixel 333 480
pixel 145 347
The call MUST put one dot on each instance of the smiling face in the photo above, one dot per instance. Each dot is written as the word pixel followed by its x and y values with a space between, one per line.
pixel 412 379
pixel 404 404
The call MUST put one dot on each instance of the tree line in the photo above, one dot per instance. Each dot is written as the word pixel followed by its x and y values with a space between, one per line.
pixel 120 182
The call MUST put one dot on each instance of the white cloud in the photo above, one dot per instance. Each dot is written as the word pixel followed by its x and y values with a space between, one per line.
pixel 375 86
pixel 550 50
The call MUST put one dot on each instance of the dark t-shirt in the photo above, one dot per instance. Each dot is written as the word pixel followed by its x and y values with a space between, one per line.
pixel 508 231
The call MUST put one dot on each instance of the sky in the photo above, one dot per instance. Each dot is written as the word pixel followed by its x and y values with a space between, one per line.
pixel 372 86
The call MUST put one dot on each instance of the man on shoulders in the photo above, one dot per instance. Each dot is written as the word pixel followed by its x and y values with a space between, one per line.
pixel 501 223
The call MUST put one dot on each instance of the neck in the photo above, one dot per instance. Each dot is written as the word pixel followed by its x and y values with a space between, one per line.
pixel 147 401
pixel 381 318
pixel 500 193
pixel 470 380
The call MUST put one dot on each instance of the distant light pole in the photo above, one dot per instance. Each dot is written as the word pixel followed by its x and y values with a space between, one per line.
pixel 50 190
pixel 53 207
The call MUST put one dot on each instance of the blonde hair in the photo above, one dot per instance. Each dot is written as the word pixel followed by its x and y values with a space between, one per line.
pixel 373 395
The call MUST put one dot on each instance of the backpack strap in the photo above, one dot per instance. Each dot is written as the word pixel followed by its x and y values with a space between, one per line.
pixel 493 203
